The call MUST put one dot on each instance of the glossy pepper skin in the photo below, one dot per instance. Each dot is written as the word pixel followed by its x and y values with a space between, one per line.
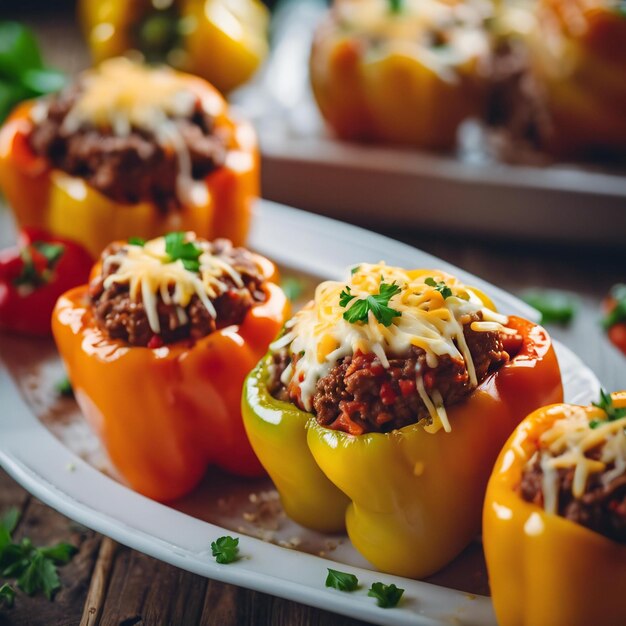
pixel 67 206
pixel 33 275
pixel 376 83
pixel 578 59
pixel 413 498
pixel 545 570
pixel 223 41
pixel 165 414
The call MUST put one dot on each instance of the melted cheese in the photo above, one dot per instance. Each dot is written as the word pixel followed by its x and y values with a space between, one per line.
pixel 323 337
pixel 149 272
pixel 566 445
pixel 410 31
pixel 120 95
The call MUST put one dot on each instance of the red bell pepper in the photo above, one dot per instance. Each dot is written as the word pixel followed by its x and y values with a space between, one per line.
pixel 33 275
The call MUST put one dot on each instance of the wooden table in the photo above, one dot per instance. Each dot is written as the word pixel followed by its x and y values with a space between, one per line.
pixel 108 584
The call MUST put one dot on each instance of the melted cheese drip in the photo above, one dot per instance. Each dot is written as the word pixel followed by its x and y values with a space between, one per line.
pixel 566 444
pixel 408 32
pixel 149 272
pixel 428 321
pixel 120 96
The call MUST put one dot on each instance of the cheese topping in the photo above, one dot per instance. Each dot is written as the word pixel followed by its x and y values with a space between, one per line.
pixel 567 444
pixel 440 33
pixel 149 272
pixel 120 96
pixel 321 335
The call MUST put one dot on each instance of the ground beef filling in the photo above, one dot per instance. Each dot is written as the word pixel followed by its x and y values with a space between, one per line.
pixel 602 508
pixel 131 168
pixel 359 395
pixel 123 318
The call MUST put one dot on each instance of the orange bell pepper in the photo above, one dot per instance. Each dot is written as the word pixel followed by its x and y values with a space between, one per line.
pixel 165 414
pixel 66 206
pixel 546 570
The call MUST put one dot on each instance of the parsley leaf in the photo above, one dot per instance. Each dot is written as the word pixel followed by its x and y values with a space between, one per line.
pixel 554 306
pixel 293 288
pixel 396 6
pixel 40 575
pixel 440 286
pixel 64 387
pixel 341 580
pixel 7 595
pixel 355 269
pixel 387 596
pixel 33 567
pixel 606 404
pixel 225 549
pixel 377 304
pixel 137 241
pixel 618 312
pixel 177 248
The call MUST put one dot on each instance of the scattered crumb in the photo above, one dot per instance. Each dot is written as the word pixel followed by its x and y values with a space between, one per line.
pixel 470 596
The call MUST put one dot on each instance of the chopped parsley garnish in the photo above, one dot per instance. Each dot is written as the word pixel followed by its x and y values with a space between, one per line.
pixel 377 304
pixel 64 388
pixel 35 569
pixel 618 312
pixel 177 248
pixel 355 269
pixel 137 241
pixel 387 596
pixel 7 595
pixel 555 306
pixel 440 286
pixel 396 6
pixel 31 273
pixel 606 404
pixel 293 288
pixel 341 580
pixel 225 549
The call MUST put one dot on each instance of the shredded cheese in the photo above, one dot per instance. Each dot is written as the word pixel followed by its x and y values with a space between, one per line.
pixel 566 444
pixel 429 321
pixel 410 31
pixel 149 272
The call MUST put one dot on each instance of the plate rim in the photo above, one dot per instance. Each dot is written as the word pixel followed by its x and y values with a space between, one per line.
pixel 26 445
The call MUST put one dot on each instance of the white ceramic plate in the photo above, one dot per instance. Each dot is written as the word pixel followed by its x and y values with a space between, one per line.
pixel 53 472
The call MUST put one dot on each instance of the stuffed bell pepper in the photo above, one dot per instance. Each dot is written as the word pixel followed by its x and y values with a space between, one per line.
pixel 223 41
pixel 384 405
pixel 568 93
pixel 157 347
pixel 554 525
pixel 401 71
pixel 130 151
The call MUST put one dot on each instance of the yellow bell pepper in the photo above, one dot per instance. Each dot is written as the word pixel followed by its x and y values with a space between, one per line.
pixel 393 72
pixel 68 207
pixel 578 59
pixel 223 41
pixel 545 570
pixel 413 497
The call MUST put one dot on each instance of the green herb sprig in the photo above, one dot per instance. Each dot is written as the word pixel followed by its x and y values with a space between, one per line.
pixel 378 304
pixel 612 412
pixel 137 241
pixel 225 549
pixel 440 286
pixel 618 313
pixel 177 248
pixel 555 306
pixel 34 568
pixel 22 72
pixel 387 596
pixel 7 595
pixel 396 6
pixel 64 387
pixel 341 580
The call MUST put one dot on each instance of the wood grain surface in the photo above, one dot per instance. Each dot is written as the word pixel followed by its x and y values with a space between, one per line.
pixel 108 584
